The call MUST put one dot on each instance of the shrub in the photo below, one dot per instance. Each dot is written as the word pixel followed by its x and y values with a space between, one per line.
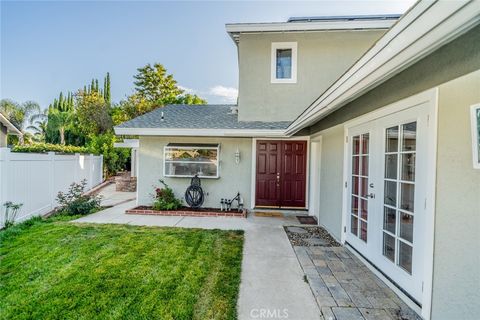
pixel 11 211
pixel 114 159
pixel 47 147
pixel 164 198
pixel 75 202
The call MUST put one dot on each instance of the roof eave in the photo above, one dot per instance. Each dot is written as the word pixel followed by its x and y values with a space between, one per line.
pixel 189 132
pixel 421 31
pixel 235 29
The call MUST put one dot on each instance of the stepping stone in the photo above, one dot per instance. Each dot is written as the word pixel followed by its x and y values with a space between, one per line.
pixel 316 242
pixel 297 230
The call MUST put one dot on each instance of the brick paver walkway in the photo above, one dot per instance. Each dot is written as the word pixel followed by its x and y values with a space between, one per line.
pixel 345 289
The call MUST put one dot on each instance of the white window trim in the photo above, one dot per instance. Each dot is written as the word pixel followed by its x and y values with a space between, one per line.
pixel 273 71
pixel 475 137
pixel 180 161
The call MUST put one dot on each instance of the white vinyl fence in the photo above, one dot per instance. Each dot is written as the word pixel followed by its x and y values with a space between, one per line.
pixel 34 179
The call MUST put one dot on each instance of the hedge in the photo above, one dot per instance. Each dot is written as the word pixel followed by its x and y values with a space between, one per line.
pixel 49 147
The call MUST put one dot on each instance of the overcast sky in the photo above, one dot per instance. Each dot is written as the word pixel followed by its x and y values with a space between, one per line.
pixel 48 47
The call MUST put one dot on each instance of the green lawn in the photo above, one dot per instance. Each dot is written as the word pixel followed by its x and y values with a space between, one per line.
pixel 61 270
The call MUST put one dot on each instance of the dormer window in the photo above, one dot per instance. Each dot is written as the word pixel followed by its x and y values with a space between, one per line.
pixel 284 62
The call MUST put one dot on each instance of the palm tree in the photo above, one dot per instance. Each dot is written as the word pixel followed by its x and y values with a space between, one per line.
pixel 18 114
pixel 60 120
pixel 38 125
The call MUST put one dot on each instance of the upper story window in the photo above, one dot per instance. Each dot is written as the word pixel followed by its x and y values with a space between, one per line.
pixel 284 62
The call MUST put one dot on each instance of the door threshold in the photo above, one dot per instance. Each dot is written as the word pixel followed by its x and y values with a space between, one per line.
pixel 279 208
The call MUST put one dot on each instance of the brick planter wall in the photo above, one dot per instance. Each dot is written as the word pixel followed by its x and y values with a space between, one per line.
pixel 188 213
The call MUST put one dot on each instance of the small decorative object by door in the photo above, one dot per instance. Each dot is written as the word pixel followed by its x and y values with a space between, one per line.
pixel 194 194
pixel 226 204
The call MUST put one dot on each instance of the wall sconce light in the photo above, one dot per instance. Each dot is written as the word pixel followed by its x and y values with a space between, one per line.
pixel 237 156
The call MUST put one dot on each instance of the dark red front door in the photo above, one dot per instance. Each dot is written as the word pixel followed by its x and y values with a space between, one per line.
pixel 281 173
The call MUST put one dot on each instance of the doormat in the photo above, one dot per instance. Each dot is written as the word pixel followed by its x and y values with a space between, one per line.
pixel 274 214
pixel 307 220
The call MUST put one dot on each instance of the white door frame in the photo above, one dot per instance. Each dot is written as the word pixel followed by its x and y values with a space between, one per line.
pixel 430 98
pixel 315 173
pixel 254 166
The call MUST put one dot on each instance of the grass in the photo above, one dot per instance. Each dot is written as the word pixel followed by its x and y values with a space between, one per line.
pixel 55 269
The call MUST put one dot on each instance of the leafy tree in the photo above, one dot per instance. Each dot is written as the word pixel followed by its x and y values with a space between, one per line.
pixel 93 113
pixel 153 84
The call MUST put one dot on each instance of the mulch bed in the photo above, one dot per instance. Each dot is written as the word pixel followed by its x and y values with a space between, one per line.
pixel 310 237
pixel 187 211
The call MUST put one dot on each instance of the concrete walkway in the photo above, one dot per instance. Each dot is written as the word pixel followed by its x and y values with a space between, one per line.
pixel 111 197
pixel 272 285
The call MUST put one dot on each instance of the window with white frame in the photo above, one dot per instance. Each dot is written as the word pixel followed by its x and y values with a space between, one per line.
pixel 284 62
pixel 188 160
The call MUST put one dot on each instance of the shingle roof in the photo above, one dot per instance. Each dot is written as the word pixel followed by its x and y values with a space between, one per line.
pixel 198 117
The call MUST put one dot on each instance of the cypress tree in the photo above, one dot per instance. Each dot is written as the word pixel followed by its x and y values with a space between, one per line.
pixel 92 86
pixel 106 88
pixel 61 103
pixel 96 85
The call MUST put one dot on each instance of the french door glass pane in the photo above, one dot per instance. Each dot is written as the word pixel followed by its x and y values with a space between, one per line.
pixel 365 143
pixel 406 226
pixel 407 196
pixel 355 185
pixel 364 187
pixel 390 193
pixel 405 256
pixel 364 211
pixel 363 230
pixel 364 165
pixel 354 225
pixel 389 219
pixel 356 165
pixel 389 246
pixel 408 167
pixel 354 205
pixel 391 166
pixel 409 136
pixel 356 145
pixel 392 140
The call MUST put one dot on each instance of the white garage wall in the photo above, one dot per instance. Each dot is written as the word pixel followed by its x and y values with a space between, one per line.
pixel 34 179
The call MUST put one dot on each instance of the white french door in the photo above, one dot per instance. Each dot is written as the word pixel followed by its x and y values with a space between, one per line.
pixel 386 195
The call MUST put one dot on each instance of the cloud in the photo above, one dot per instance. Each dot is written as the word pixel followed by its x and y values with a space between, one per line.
pixel 187 90
pixel 227 93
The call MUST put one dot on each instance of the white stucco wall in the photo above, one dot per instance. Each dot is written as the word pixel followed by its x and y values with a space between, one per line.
pixel 331 180
pixel 233 177
pixel 456 274
pixel 322 58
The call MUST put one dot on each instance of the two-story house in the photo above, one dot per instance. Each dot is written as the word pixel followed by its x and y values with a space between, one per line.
pixel 370 123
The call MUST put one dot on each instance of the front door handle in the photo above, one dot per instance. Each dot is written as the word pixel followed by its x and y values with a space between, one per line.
pixel 371 195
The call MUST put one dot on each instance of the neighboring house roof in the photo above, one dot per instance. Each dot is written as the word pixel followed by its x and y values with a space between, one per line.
pixel 188 120
pixel 11 129
pixel 423 29
pixel 303 24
